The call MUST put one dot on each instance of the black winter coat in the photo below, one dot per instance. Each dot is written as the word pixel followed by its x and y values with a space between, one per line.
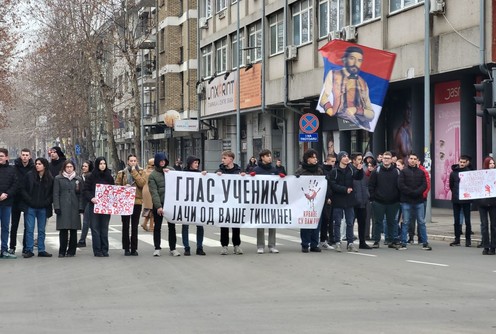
pixel 340 180
pixel 37 193
pixel 224 170
pixel 412 184
pixel 383 185
pixel 8 184
pixel 21 172
pixel 454 183
pixel 96 177
pixel 265 169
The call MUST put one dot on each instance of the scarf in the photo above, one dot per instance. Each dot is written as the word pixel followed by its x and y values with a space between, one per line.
pixel 69 176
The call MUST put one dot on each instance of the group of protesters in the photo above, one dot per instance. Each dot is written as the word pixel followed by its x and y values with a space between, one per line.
pixel 387 191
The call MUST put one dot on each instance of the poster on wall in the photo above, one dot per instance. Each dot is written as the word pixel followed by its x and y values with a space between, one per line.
pixel 399 112
pixel 356 80
pixel 446 135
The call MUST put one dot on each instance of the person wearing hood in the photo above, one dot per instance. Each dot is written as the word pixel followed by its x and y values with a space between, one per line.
pixel 251 165
pixel 147 214
pixel 37 194
pixel 8 189
pixel 99 222
pixel 265 167
pixel 156 184
pixel 310 166
pixel 192 165
pixel 57 159
pixel 460 205
pixel 22 165
pixel 343 198
pixel 229 167
pixel 131 176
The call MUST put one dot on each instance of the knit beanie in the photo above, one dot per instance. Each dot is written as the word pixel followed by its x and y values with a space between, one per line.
pixel 341 155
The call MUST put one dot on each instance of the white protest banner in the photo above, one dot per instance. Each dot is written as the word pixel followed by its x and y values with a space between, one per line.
pixel 114 200
pixel 260 201
pixel 477 184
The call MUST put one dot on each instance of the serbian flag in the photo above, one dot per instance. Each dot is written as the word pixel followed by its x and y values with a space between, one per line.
pixel 356 79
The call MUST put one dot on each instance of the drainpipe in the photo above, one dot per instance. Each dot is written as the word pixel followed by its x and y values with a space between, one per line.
pixel 427 105
pixel 482 39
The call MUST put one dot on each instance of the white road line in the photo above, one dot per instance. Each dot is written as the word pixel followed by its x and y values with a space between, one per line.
pixel 428 263
pixel 363 254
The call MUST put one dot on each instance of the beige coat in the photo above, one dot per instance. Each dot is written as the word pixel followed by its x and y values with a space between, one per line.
pixel 147 197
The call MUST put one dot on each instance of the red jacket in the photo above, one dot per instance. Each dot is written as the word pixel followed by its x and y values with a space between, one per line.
pixel 427 179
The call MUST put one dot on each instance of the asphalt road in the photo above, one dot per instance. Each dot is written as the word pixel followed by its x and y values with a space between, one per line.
pixel 446 290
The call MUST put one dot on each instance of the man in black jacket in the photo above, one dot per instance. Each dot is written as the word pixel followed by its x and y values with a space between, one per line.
pixel 385 198
pixel 8 188
pixel 23 165
pixel 459 204
pixel 412 184
pixel 343 198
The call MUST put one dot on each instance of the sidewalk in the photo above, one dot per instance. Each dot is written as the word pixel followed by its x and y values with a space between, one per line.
pixel 441 226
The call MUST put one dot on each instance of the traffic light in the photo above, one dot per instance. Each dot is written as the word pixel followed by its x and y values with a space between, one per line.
pixel 485 97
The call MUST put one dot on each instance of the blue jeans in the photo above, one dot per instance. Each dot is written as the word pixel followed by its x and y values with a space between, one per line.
pixel 391 226
pixel 337 216
pixel 40 215
pixel 5 212
pixel 410 212
pixel 199 236
pixel 310 237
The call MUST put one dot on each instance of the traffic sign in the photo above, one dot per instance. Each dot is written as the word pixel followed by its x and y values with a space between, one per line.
pixel 309 123
pixel 77 148
pixel 309 137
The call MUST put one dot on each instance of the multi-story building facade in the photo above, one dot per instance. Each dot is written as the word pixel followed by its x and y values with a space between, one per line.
pixel 281 76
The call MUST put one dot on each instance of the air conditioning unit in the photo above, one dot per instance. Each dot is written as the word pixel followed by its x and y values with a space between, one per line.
pixel 222 14
pixel 200 89
pixel 349 33
pixel 203 23
pixel 334 35
pixel 291 52
pixel 437 7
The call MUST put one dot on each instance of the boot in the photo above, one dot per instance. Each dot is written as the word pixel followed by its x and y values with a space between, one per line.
pixel 145 224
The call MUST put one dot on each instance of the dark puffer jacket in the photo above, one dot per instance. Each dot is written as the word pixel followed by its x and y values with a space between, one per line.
pixel 8 183
pixel 266 169
pixel 454 183
pixel 224 170
pixel 340 180
pixel 412 185
pixel 21 172
pixel 383 185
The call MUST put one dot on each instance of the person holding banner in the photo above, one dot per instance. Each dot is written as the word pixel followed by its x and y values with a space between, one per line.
pixel 310 166
pixel 192 165
pixel 156 184
pixel 460 205
pixel 265 167
pixel 229 167
pixel 487 206
pixel 99 223
pixel 131 176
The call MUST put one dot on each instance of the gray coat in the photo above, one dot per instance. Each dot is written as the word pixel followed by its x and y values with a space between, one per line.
pixel 67 196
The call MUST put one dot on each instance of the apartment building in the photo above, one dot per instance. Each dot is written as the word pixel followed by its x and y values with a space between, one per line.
pixel 281 74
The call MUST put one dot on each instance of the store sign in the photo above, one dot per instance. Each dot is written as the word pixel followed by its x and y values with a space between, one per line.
pixel 187 125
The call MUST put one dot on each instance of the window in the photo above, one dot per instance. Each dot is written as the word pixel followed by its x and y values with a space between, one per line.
pixel 206 8
pixel 302 22
pixel 221 5
pixel 395 5
pixel 162 40
pixel 276 33
pixel 255 42
pixel 364 10
pixel 221 56
pixel 331 16
pixel 234 50
pixel 206 61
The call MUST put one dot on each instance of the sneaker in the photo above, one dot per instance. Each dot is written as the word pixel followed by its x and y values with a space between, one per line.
pixel 174 252
pixel 224 251
pixel 156 253
pixel 81 244
pixel 260 251
pixel 27 254
pixel 238 250
pixel 200 251
pixel 393 245
pixel 325 245
pixel 485 251
pixel 187 252
pixel 426 247
pixel 364 246
pixel 468 244
pixel 455 243
pixel 337 247
pixel 44 254
pixel 7 255
pixel 351 248
pixel 127 253
pixel 273 250
pixel 402 247
pixel 315 250
pixel 304 250
pixel 375 245
pixel 134 253
pixel 12 251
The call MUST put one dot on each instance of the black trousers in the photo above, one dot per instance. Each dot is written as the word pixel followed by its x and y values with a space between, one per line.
pixel 157 232
pixel 457 208
pixel 361 217
pixel 16 217
pixel 326 227
pixel 224 236
pixel 131 241
pixel 63 249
